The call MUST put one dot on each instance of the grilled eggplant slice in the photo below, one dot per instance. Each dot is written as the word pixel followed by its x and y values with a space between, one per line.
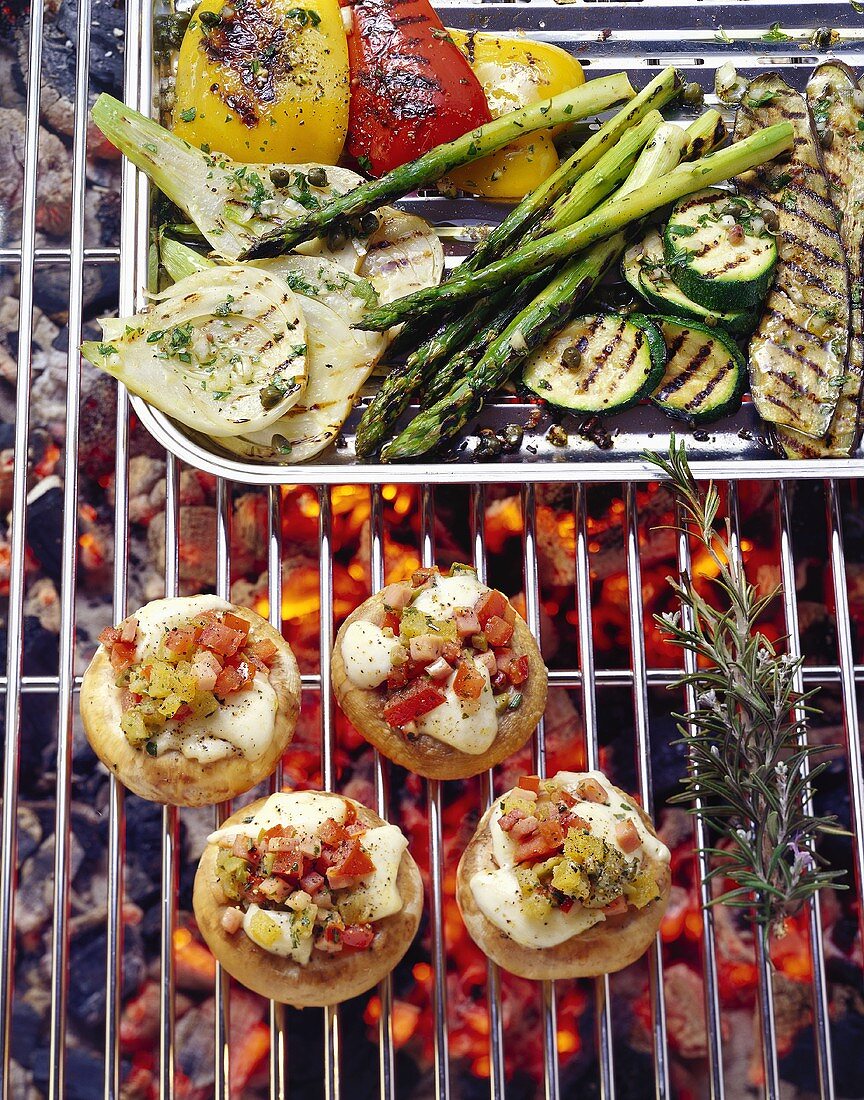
pixel 798 352
pixel 705 372
pixel 837 107
pixel 719 250
pixel 598 364
pixel 645 270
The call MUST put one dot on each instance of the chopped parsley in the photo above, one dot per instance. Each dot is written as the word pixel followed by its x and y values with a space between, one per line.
pixel 304 16
pixel 188 115
pixel 775 34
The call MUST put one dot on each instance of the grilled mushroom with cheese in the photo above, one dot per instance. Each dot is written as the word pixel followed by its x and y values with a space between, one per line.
pixel 440 674
pixel 191 701
pixel 564 878
pixel 308 898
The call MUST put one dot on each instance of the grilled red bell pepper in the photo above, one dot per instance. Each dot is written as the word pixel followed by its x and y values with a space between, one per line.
pixel 411 88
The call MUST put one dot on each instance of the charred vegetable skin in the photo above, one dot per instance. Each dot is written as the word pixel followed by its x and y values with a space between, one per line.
pixel 798 352
pixel 411 88
pixel 195 668
pixel 837 108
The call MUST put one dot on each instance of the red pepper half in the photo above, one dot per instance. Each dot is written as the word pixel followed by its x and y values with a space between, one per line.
pixel 411 88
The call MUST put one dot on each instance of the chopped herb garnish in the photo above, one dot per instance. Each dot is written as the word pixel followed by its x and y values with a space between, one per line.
pixel 188 115
pixel 775 34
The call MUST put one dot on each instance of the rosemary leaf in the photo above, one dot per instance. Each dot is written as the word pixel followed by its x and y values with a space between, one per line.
pixel 752 770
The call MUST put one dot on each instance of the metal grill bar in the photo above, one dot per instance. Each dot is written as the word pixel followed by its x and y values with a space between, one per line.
pixel 643 771
pixel 824 1060
pixel 602 990
pixel 15 615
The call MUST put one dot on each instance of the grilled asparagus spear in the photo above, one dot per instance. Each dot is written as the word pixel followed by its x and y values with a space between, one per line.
pixel 545 315
pixel 576 103
pixel 537 255
pixel 798 352
pixel 837 107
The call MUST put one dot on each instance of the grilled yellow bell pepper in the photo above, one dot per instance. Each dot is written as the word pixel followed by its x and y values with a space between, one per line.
pixel 514 72
pixel 265 80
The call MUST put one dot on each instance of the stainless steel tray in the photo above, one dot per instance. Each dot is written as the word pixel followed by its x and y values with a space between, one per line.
pixel 639 38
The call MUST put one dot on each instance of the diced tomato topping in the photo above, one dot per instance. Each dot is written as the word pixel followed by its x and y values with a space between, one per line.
pixel 517 670
pixel 497 630
pixel 236 622
pixel 392 620
pixel 289 863
pixel 221 639
pixel 122 656
pixel 469 681
pixel 627 836
pixel 451 652
pixel 359 936
pixel 263 651
pixel 570 820
pixel 350 813
pixel 109 636
pixel 530 783
pixel 182 712
pixel 489 604
pixel 508 820
pixel 179 641
pixel 591 791
pixel 545 842
pixel 351 863
pixel 231 680
pixel 415 699
pixel 420 576
pixel 565 905
pixel 563 795
pixel 332 833
pixel 312 882
pixel 616 907
pixel 356 829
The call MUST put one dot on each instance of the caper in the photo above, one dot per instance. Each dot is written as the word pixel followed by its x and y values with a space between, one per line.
pixel 693 94
pixel 336 237
pixel 822 38
pixel 571 357
pixel 270 396
pixel 368 224
pixel 512 436
pixel 826 139
pixel 317 177
pixel 209 19
pixel 280 177
pixel 771 218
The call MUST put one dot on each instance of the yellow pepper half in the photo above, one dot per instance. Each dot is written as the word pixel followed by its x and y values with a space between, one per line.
pixel 265 80
pixel 514 72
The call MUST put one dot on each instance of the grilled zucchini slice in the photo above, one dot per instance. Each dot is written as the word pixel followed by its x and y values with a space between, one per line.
pixel 645 270
pixel 719 250
pixel 705 372
pixel 598 364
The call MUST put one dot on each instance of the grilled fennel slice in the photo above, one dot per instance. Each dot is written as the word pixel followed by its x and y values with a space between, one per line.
pixel 598 364
pixel 644 268
pixel 223 351
pixel 798 352
pixel 705 372
pixel 835 104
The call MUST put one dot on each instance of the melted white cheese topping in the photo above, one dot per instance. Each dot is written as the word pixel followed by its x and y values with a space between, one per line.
pixel 374 899
pixel 244 723
pixel 368 654
pixel 497 892
pixel 447 595
pixel 469 725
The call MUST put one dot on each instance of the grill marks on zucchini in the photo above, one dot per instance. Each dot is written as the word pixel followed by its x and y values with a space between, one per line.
pixel 705 372
pixel 645 270
pixel 831 94
pixel 798 353
pixel 719 251
pixel 598 364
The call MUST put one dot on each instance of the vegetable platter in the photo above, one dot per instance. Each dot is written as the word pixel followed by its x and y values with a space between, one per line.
pixel 516 433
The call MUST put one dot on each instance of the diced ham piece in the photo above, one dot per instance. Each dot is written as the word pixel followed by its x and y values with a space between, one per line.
pixel 274 888
pixel 502 659
pixel 426 647
pixel 545 842
pixel 616 907
pixel 397 596
pixel 467 624
pixel 591 791
pixel 232 920
pixel 439 669
pixel 206 669
pixel 489 662
pixel 242 845
pixel 508 820
pixel 525 827
pixel 129 629
pixel 312 883
pixel 627 836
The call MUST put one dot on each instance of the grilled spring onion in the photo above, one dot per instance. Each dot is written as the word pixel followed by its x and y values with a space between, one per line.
pixel 837 107
pixel 798 352
pixel 705 372
pixel 719 250
pixel 644 268
pixel 223 351
pixel 598 364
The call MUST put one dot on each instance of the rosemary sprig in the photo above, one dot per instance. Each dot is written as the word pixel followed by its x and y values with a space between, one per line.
pixel 752 769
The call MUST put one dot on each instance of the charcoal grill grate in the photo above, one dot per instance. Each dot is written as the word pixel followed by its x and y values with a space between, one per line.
pixel 639 41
